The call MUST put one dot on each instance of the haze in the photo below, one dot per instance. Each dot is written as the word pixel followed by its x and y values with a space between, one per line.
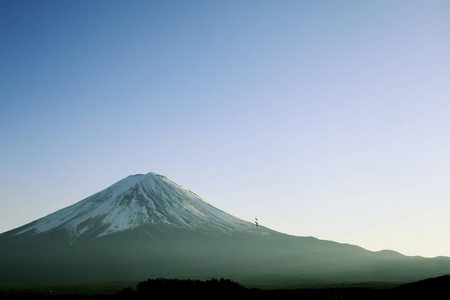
pixel 321 118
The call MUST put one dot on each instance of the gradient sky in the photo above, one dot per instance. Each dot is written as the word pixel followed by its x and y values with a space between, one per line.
pixel 321 118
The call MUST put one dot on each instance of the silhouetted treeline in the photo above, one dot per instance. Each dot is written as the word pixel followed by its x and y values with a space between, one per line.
pixel 169 287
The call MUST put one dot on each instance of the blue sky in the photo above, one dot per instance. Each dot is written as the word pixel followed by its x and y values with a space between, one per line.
pixel 322 118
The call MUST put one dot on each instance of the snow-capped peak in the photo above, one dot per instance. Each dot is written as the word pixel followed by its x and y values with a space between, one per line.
pixel 133 201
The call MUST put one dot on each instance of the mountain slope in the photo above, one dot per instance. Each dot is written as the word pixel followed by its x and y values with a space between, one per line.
pixel 148 226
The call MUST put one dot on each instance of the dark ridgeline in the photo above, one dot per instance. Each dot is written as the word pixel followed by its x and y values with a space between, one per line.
pixel 433 288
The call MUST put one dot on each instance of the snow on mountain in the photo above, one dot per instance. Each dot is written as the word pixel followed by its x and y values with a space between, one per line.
pixel 134 201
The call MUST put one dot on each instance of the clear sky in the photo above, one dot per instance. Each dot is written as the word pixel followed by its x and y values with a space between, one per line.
pixel 320 118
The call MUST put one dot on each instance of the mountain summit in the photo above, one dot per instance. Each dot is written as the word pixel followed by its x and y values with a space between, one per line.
pixel 147 226
pixel 135 201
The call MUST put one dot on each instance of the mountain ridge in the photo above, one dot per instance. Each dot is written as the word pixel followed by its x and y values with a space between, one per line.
pixel 146 226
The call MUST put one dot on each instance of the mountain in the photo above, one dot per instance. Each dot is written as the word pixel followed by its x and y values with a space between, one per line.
pixel 146 226
pixel 132 202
